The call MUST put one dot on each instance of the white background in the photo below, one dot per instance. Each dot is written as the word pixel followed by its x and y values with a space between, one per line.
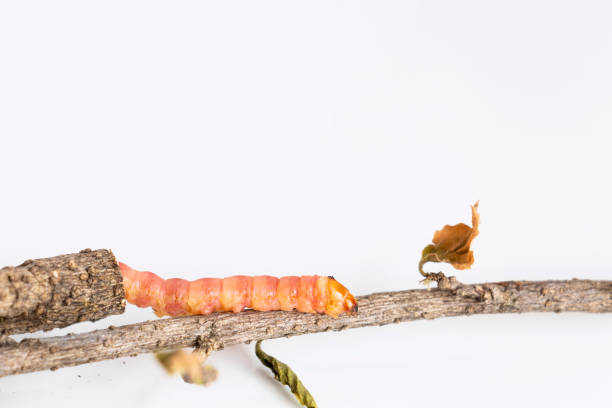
pixel 260 137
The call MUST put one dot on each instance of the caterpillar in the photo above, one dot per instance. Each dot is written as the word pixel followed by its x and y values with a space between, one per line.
pixel 179 297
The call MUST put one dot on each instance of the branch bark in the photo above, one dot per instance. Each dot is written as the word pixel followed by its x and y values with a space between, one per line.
pixel 219 330
pixel 46 293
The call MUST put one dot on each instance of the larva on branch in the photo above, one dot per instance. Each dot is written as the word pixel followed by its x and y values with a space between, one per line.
pixel 178 297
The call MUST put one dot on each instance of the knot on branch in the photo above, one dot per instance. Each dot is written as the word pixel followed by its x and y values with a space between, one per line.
pixel 447 283
pixel 207 344
pixel 495 294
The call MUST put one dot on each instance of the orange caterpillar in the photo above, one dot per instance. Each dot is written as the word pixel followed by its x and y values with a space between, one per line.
pixel 178 297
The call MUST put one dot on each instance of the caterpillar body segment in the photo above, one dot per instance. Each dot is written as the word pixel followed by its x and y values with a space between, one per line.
pixel 179 297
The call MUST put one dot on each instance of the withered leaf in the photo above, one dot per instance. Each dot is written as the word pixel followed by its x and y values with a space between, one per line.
pixel 189 365
pixel 286 376
pixel 451 244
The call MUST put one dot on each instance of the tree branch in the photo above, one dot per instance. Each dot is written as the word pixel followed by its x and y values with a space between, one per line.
pixel 219 330
pixel 46 293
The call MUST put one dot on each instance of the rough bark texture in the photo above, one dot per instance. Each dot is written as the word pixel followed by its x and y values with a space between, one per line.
pixel 218 330
pixel 46 293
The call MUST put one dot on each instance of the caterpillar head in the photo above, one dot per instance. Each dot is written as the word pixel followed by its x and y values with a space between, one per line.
pixel 339 299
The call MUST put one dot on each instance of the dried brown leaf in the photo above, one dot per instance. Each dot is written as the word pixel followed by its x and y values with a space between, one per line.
pixel 451 244
pixel 189 365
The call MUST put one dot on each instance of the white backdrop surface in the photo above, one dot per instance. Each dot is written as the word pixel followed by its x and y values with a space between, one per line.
pixel 272 137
